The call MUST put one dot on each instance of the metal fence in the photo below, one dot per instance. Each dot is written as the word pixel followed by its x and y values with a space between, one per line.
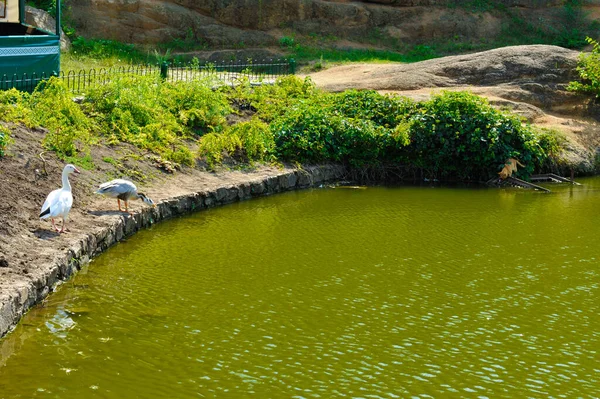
pixel 217 73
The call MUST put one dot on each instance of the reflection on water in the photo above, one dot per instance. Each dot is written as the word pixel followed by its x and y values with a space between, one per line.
pixel 372 293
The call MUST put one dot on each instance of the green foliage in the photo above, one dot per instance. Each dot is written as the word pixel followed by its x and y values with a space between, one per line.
pixel 195 105
pixel 552 143
pixel 309 132
pixel 155 115
pixel 454 135
pixel 46 5
pixel 272 100
pixel 286 42
pixel 181 154
pixel 384 110
pixel 568 27
pixel 84 161
pixel 13 107
pixel 588 68
pixel 99 49
pixel 52 107
pixel 458 134
pixel 245 142
pixel 5 140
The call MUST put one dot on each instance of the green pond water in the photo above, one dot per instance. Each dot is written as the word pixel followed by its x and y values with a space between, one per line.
pixel 405 292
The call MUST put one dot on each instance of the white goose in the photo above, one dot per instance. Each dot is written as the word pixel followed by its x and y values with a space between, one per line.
pixel 59 202
pixel 122 190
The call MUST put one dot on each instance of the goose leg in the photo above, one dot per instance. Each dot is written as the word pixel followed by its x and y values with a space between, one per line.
pixel 54 225
pixel 64 226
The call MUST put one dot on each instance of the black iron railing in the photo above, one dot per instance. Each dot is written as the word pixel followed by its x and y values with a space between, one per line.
pixel 218 73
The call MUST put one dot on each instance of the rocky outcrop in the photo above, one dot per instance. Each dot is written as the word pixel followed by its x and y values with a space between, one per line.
pixel 248 23
pixel 537 75
pixel 41 19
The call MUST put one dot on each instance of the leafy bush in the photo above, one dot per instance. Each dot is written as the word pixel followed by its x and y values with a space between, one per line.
pixel 14 108
pixel 383 110
pixel 100 49
pixel 309 132
pixel 155 115
pixel 286 42
pixel 195 105
pixel 552 142
pixel 588 68
pixel 458 134
pixel 244 142
pixel 271 101
pixel 52 107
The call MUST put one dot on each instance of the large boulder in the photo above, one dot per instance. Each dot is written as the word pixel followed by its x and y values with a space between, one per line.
pixel 41 19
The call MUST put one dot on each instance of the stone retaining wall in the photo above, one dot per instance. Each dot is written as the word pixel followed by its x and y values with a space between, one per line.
pixel 22 298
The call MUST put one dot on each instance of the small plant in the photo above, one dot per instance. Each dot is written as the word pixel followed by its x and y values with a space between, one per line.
pixel 5 140
pixel 286 42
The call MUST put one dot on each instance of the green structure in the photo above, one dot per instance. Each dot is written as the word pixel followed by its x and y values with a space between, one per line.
pixel 27 54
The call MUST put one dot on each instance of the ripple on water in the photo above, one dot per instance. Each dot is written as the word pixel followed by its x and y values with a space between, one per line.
pixel 377 293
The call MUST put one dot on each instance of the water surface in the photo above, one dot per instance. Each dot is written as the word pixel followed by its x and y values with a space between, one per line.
pixel 352 293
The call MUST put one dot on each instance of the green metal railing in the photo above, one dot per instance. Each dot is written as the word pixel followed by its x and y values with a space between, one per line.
pixel 219 73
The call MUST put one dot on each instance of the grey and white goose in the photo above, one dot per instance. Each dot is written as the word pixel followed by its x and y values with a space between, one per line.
pixel 123 190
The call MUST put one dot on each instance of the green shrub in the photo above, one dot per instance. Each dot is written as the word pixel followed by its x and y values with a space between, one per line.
pixel 383 110
pixel 286 42
pixel 195 105
pixel 552 143
pixel 14 107
pixel 458 134
pixel 309 132
pixel 588 68
pixel 52 107
pixel 155 115
pixel 271 101
pixel 245 142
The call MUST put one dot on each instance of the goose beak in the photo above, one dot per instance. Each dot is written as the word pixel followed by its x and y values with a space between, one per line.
pixel 76 171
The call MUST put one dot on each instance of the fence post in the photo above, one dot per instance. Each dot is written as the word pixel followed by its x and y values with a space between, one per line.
pixel 164 70
pixel 292 66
